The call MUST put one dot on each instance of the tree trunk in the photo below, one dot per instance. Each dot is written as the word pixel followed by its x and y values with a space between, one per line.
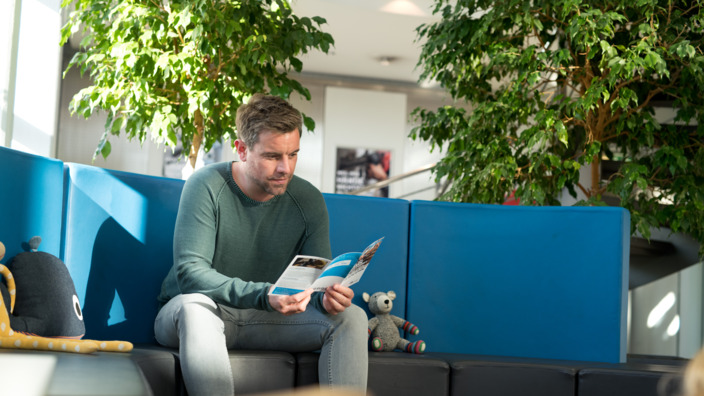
pixel 596 177
pixel 197 139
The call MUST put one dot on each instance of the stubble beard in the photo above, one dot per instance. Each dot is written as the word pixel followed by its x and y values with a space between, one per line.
pixel 270 187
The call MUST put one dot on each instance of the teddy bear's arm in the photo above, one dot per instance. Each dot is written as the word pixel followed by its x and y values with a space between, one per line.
pixel 373 323
pixel 405 325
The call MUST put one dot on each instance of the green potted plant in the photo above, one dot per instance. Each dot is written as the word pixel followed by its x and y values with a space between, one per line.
pixel 178 70
pixel 554 87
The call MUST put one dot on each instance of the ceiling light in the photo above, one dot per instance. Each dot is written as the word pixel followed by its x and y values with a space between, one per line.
pixel 386 60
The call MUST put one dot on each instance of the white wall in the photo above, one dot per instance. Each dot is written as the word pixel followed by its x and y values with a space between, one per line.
pixel 364 119
pixel 691 308
pixel 310 160
pixel 654 316
pixel 666 315
pixel 417 154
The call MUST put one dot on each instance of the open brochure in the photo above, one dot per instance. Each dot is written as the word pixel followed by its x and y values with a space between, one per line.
pixel 317 273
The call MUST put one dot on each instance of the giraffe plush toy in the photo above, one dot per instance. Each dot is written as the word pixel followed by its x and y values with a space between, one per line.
pixel 47 316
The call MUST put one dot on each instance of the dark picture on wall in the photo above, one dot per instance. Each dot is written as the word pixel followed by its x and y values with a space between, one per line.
pixel 358 167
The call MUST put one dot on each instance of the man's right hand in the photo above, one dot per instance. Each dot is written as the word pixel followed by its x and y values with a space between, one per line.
pixel 289 305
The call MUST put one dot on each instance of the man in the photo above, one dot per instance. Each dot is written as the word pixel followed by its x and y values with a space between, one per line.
pixel 238 226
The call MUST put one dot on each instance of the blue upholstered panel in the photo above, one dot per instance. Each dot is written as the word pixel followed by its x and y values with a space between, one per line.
pixel 355 222
pixel 118 247
pixel 540 282
pixel 31 193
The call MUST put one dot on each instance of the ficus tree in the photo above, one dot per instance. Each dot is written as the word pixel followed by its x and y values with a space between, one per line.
pixel 179 69
pixel 553 89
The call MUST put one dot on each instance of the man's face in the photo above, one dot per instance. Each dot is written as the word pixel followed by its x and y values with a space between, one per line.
pixel 270 163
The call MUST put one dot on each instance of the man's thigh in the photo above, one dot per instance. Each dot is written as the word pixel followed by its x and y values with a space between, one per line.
pixel 255 329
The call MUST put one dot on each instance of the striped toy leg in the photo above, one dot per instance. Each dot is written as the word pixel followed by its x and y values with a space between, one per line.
pixel 377 344
pixel 417 347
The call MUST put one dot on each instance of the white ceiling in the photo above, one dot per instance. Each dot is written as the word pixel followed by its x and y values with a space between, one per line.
pixel 365 31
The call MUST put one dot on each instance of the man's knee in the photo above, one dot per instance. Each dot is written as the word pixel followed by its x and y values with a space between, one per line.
pixel 196 311
pixel 199 306
pixel 180 313
pixel 354 316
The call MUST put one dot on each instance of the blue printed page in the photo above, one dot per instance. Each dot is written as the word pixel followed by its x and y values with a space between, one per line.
pixel 336 271
pixel 355 273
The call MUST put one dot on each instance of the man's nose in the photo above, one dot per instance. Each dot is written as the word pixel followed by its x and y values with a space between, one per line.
pixel 284 165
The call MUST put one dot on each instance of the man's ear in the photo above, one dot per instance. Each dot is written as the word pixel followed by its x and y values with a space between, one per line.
pixel 241 150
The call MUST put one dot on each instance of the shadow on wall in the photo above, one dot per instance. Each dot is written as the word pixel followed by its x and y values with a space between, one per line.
pixel 119 274
pixel 119 245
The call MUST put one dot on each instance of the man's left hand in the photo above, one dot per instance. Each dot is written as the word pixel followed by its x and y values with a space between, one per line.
pixel 337 298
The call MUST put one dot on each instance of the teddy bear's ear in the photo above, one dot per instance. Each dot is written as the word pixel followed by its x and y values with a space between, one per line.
pixel 391 294
pixel 365 297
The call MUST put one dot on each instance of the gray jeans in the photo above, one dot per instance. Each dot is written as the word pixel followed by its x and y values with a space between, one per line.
pixel 203 331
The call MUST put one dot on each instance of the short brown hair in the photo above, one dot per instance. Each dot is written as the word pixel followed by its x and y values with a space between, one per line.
pixel 266 113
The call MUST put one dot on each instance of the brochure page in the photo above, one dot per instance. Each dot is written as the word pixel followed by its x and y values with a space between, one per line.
pixel 306 272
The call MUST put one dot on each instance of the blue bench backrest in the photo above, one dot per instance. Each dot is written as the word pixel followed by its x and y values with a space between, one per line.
pixel 539 282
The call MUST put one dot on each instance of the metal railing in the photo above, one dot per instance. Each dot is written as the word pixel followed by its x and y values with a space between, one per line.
pixel 394 179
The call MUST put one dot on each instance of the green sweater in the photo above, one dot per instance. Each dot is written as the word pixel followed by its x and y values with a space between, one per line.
pixel 232 248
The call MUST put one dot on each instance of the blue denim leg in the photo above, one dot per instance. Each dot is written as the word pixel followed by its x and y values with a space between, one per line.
pixel 341 339
pixel 192 323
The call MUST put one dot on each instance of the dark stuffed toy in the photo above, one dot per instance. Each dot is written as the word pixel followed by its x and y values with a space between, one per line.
pixel 384 327
pixel 39 307
pixel 47 303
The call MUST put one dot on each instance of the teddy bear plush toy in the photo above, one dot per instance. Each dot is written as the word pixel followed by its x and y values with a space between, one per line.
pixel 39 308
pixel 384 327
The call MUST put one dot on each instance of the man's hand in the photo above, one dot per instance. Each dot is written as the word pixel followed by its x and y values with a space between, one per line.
pixel 289 305
pixel 337 298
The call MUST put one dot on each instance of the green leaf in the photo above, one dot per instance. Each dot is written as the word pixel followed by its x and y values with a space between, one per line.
pixel 309 123
pixel 652 59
